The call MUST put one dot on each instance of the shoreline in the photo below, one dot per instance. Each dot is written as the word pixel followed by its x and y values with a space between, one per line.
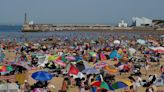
pixel 101 30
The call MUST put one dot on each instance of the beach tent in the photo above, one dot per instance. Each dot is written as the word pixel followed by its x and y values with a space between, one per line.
pixel 114 54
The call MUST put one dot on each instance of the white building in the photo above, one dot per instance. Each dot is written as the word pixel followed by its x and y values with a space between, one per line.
pixel 122 24
pixel 142 21
pixel 31 23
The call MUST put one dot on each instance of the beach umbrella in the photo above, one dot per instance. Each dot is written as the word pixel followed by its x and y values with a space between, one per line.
pixel 63 59
pixel 96 83
pixel 127 82
pixel 91 71
pixel 3 69
pixel 56 57
pixel 73 70
pixel 21 65
pixel 42 76
pixel 92 42
pixel 153 41
pixel 51 58
pixel 114 54
pixel 60 62
pixel 116 42
pixel 9 68
pixel 104 85
pixel 140 41
pixel 6 68
pixel 86 64
pixel 102 57
pixel 111 70
pixel 78 58
pixel 120 84
pixel 93 54
pixel 80 66
pixel 157 49
pixel 100 64
pixel 70 58
pixel 132 51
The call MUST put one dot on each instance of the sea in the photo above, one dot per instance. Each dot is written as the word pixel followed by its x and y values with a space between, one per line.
pixel 13 33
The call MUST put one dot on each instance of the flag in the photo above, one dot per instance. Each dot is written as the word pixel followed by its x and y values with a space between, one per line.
pixel 73 70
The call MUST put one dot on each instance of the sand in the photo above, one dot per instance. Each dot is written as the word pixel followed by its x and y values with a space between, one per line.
pixel 57 81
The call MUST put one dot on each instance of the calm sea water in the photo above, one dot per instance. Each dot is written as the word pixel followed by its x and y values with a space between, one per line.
pixel 14 33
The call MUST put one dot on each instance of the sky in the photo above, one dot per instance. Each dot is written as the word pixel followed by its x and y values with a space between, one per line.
pixel 79 11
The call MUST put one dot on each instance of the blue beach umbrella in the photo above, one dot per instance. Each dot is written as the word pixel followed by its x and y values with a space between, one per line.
pixel 42 76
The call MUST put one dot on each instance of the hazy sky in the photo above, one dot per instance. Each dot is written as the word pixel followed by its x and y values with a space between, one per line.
pixel 79 11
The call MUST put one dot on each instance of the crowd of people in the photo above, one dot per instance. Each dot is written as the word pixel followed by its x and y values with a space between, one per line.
pixel 87 64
